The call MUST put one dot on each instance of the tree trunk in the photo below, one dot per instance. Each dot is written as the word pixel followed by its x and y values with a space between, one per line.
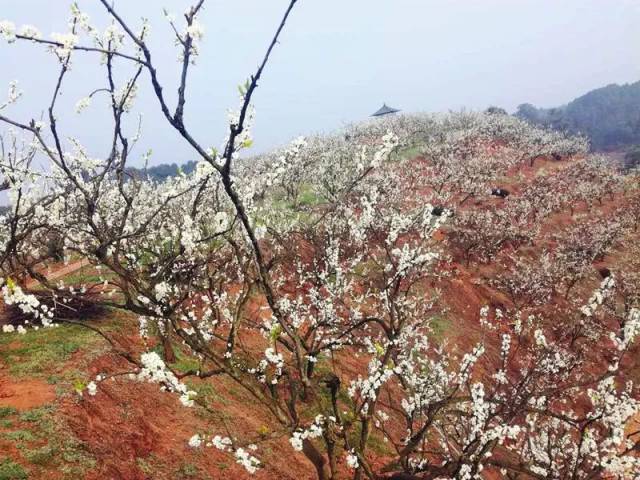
pixel 169 353
pixel 315 457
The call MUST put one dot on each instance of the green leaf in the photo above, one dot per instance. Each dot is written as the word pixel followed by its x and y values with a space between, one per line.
pixel 79 386
pixel 276 330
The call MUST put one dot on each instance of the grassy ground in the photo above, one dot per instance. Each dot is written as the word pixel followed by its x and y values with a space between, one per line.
pixel 43 444
pixel 88 275
pixel 37 443
pixel 43 353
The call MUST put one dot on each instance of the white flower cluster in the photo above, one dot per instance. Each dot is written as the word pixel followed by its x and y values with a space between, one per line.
pixel 598 297
pixel 83 104
pixel 480 409
pixel 162 290
pixel 8 30
pixel 113 37
pixel 352 460
pixel 313 431
pixel 194 33
pixel 126 96
pixel 369 387
pixel 10 329
pixel 248 461
pixel 221 443
pixel 92 388
pixel 244 140
pixel 196 30
pixel 225 444
pixel 13 96
pixel 67 42
pixel 389 143
pixel 271 358
pixel 615 410
pixel 468 361
pixel 27 303
pixel 30 31
pixel 630 330
pixel 80 19
pixel 154 370
pixel 540 338
pixel 506 345
pixel 195 441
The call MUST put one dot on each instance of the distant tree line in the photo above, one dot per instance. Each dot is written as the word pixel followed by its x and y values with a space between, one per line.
pixel 161 172
pixel 610 116
pixel 632 158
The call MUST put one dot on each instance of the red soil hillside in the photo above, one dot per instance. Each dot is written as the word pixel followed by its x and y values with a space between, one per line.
pixel 134 431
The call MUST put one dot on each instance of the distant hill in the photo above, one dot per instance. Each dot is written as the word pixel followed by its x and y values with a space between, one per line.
pixel 163 171
pixel 609 116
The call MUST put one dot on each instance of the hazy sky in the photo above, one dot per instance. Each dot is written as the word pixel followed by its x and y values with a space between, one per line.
pixel 339 60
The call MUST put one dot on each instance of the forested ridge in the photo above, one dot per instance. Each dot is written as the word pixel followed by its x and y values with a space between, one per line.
pixel 609 116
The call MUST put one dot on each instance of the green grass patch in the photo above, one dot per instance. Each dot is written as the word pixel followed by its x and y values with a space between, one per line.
pixel 184 362
pixel 154 467
pixel 77 461
pixel 45 440
pixel 439 327
pixel 144 465
pixel 408 153
pixel 206 393
pixel 308 197
pixel 6 411
pixel 378 446
pixel 20 436
pixel 368 269
pixel 10 470
pixel 36 415
pixel 88 275
pixel 41 456
pixel 37 353
pixel 188 470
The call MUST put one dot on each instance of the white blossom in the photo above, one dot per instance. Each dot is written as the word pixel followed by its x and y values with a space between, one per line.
pixel 195 441
pixel 8 30
pixel 92 388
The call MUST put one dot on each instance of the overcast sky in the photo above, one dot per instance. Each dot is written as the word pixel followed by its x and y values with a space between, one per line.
pixel 339 60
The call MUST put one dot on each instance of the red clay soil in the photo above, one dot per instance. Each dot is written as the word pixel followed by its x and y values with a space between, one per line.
pixel 128 424
pixel 24 394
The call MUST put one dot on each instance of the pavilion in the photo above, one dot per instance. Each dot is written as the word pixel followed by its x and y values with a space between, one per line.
pixel 385 110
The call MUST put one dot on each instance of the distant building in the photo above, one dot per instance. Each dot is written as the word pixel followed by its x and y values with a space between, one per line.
pixel 385 110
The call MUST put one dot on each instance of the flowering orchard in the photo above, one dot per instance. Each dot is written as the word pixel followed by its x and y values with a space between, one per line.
pixel 312 277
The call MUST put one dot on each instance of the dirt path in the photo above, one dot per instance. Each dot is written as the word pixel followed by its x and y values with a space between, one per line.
pixel 61 272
